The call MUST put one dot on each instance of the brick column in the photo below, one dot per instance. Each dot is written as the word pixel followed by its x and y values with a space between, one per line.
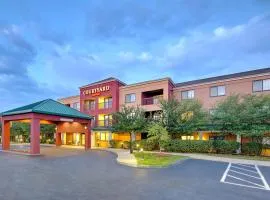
pixel 5 135
pixel 35 136
pixel 88 136
pixel 58 141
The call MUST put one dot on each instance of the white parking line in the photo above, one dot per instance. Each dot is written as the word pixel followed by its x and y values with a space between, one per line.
pixel 234 170
pixel 263 179
pixel 252 167
pixel 245 169
pixel 226 172
pixel 245 180
pixel 244 174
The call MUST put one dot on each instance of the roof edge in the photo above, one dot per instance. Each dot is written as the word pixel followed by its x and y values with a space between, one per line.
pixel 146 82
pixel 103 81
pixel 260 71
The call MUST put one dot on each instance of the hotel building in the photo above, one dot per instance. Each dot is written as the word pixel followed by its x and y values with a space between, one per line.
pixel 100 99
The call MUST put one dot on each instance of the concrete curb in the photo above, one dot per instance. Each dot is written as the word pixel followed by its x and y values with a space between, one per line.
pixel 121 162
pixel 19 153
pixel 219 159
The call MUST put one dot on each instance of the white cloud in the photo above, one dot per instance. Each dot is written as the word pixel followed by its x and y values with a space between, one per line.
pixel 128 57
pixel 228 32
pixel 223 47
pixel 145 56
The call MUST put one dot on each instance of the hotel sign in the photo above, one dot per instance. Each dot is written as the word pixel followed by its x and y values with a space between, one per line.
pixel 96 91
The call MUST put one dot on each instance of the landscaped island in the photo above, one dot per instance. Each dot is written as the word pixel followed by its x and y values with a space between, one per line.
pixel 156 159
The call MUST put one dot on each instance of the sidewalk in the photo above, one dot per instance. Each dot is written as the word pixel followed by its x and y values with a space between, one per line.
pixel 123 156
pixel 220 159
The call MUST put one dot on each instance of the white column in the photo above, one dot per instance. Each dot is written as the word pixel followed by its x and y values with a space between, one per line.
pixel 238 139
pixel 200 135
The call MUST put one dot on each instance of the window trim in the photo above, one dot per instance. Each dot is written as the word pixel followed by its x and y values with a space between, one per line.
pixel 130 98
pixel 216 86
pixel 187 94
pixel 262 90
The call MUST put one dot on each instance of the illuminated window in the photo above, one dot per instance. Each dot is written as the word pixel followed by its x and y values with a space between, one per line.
pixel 103 136
pixel 187 137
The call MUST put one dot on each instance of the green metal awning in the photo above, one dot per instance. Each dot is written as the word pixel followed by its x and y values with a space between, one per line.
pixel 48 107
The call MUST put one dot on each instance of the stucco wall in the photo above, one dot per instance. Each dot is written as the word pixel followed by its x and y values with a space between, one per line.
pixel 233 86
pixel 139 88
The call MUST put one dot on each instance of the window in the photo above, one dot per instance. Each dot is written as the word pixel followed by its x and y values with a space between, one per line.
pixel 261 85
pixel 108 103
pixel 92 105
pixel 102 136
pixel 129 98
pixel 156 116
pixel 217 91
pixel 187 94
pixel 76 105
pixel 216 137
pixel 188 137
pixel 89 105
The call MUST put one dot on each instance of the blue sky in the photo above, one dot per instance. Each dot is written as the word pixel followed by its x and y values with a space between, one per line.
pixel 50 48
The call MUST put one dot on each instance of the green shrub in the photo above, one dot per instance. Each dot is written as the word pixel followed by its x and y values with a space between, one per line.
pixel 116 144
pixel 199 146
pixel 126 144
pixel 222 146
pixel 147 145
pixel 190 146
pixel 252 148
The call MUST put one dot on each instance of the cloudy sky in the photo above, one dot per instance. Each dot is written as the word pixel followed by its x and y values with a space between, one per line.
pixel 50 48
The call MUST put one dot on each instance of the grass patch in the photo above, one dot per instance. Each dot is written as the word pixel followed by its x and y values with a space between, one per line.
pixel 156 159
pixel 246 157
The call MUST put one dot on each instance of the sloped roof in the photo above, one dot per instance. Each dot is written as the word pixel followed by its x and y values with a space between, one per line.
pixel 228 76
pixel 104 81
pixel 49 107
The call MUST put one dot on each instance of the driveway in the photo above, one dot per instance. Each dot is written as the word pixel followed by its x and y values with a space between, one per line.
pixel 96 175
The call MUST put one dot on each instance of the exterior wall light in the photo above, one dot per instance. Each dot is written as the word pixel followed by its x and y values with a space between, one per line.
pixel 141 150
pixel 85 127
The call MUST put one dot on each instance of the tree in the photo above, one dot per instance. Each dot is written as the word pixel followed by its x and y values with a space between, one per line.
pixel 170 115
pixel 47 132
pixel 157 133
pixel 247 115
pixel 131 120
pixel 192 116
pixel 226 116
pixel 255 116
pixel 183 117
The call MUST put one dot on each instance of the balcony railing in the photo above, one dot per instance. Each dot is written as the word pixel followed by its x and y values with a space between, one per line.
pixel 151 100
pixel 105 105
pixel 102 123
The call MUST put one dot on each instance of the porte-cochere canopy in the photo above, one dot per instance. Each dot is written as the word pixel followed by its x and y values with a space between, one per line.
pixel 47 111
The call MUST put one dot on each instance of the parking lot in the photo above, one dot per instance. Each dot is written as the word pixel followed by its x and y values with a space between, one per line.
pixel 96 175
pixel 245 176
